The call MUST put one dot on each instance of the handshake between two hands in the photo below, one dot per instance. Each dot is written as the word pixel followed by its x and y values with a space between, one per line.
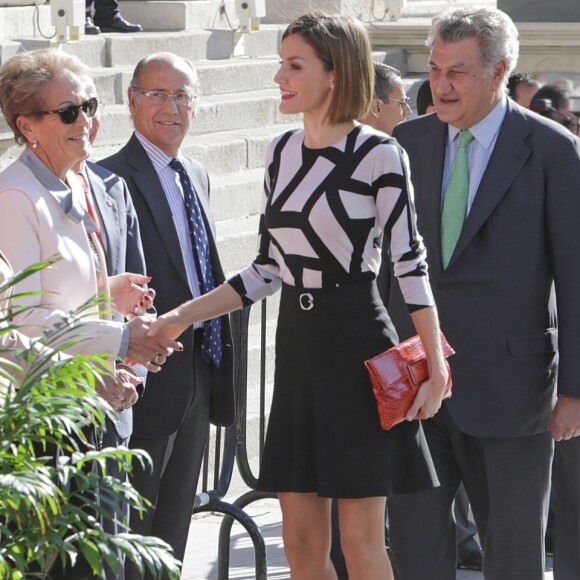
pixel 133 301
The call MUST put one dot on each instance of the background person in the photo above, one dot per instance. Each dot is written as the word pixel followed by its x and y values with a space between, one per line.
pixel 558 109
pixel 493 257
pixel 563 528
pixel 171 420
pixel 116 220
pixel 522 87
pixel 43 99
pixel 390 104
pixel 425 104
pixel 332 190
pixel 104 16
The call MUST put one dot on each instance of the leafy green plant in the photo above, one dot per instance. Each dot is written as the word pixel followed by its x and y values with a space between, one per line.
pixel 54 485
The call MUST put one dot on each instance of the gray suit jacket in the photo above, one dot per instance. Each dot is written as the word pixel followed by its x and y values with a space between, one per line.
pixel 494 298
pixel 124 248
pixel 161 410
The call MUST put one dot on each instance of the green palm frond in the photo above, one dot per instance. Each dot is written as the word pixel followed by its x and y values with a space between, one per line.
pixel 54 486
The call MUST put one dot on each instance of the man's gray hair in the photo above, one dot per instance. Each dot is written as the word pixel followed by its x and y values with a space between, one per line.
pixel 495 31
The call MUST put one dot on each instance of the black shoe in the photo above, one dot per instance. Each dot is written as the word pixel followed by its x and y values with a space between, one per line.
pixel 90 27
pixel 119 24
pixel 473 561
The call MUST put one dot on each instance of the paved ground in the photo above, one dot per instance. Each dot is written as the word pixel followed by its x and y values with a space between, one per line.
pixel 201 557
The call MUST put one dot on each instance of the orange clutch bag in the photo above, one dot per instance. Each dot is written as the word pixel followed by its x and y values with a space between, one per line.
pixel 397 374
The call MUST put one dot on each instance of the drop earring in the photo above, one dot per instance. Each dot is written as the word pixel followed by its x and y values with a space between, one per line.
pixel 34 144
pixel 332 86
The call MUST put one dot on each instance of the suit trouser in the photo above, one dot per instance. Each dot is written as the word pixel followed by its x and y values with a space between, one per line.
pixel 567 510
pixel 177 460
pixel 507 481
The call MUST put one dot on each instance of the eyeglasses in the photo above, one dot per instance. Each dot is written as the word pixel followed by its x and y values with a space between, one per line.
pixel 402 102
pixel 69 114
pixel 159 98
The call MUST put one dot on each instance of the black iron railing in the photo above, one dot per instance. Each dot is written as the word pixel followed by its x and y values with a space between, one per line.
pixel 227 446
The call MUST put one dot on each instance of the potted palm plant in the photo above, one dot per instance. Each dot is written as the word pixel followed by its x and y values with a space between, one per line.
pixel 54 487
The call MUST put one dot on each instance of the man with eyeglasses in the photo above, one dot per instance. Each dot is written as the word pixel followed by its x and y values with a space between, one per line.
pixel 390 104
pixel 170 194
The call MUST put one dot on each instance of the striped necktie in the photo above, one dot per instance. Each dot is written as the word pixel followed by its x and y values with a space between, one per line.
pixel 211 347
pixel 456 196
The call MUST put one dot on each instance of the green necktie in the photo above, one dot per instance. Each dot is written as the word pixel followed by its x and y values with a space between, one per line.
pixel 456 195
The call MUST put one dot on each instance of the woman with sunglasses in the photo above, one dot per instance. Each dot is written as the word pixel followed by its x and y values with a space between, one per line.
pixel 45 212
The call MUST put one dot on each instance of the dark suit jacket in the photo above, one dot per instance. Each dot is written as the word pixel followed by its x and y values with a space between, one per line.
pixel 124 248
pixel 161 409
pixel 521 236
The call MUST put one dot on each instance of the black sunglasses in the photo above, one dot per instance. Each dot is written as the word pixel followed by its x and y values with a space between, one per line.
pixel 69 114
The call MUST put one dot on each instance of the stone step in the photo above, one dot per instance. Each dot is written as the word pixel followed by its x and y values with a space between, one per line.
pixel 215 114
pixel 430 8
pixel 178 14
pixel 18 22
pixel 118 49
pixel 220 153
pixel 216 77
pixel 237 241
pixel 236 194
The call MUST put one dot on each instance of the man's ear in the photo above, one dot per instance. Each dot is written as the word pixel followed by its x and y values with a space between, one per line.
pixel 499 72
pixel 132 97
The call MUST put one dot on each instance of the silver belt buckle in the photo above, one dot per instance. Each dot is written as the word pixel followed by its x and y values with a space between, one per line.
pixel 306 301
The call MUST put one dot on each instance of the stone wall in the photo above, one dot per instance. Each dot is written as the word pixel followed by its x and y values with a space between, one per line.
pixel 541 10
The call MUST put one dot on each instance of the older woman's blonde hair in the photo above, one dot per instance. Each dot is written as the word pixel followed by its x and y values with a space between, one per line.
pixel 343 45
pixel 24 79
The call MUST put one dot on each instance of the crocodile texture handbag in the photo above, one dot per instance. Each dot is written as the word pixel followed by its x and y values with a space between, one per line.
pixel 396 376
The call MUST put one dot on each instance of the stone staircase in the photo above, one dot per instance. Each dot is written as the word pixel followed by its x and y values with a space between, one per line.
pixel 237 112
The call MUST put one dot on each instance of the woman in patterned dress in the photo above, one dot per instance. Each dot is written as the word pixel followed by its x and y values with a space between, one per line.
pixel 335 191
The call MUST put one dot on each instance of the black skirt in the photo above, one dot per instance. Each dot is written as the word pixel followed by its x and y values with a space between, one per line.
pixel 324 434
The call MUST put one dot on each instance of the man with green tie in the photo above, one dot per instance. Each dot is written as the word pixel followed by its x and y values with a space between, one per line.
pixel 496 191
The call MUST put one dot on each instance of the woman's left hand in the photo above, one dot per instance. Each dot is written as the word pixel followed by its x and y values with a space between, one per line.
pixel 128 297
pixel 429 396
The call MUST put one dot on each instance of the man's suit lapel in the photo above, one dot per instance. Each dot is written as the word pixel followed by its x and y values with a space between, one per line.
pixel 509 155
pixel 109 214
pixel 150 187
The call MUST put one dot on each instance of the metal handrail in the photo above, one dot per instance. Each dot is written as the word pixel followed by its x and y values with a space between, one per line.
pixel 242 459
pixel 210 499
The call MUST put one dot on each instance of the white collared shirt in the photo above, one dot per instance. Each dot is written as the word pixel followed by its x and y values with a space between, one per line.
pixel 172 187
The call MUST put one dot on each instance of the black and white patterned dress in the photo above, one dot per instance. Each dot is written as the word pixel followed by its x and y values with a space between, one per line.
pixel 326 214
